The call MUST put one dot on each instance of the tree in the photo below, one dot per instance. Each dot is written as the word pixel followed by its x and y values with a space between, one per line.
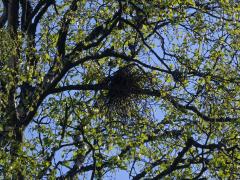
pixel 88 88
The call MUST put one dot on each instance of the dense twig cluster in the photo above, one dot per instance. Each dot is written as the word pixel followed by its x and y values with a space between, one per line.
pixel 122 98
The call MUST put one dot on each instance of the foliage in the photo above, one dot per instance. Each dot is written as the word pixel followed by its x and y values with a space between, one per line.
pixel 88 88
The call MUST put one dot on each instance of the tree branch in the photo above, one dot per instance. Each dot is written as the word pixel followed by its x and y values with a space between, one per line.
pixel 174 166
pixel 26 14
pixel 39 11
pixel 156 93
pixel 61 43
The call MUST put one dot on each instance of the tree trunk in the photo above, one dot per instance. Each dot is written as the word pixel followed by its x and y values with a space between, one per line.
pixel 14 121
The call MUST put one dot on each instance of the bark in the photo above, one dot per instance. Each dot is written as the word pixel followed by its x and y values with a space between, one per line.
pixel 13 8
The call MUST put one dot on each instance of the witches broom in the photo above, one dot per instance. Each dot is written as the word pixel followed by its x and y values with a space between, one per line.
pixel 119 100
